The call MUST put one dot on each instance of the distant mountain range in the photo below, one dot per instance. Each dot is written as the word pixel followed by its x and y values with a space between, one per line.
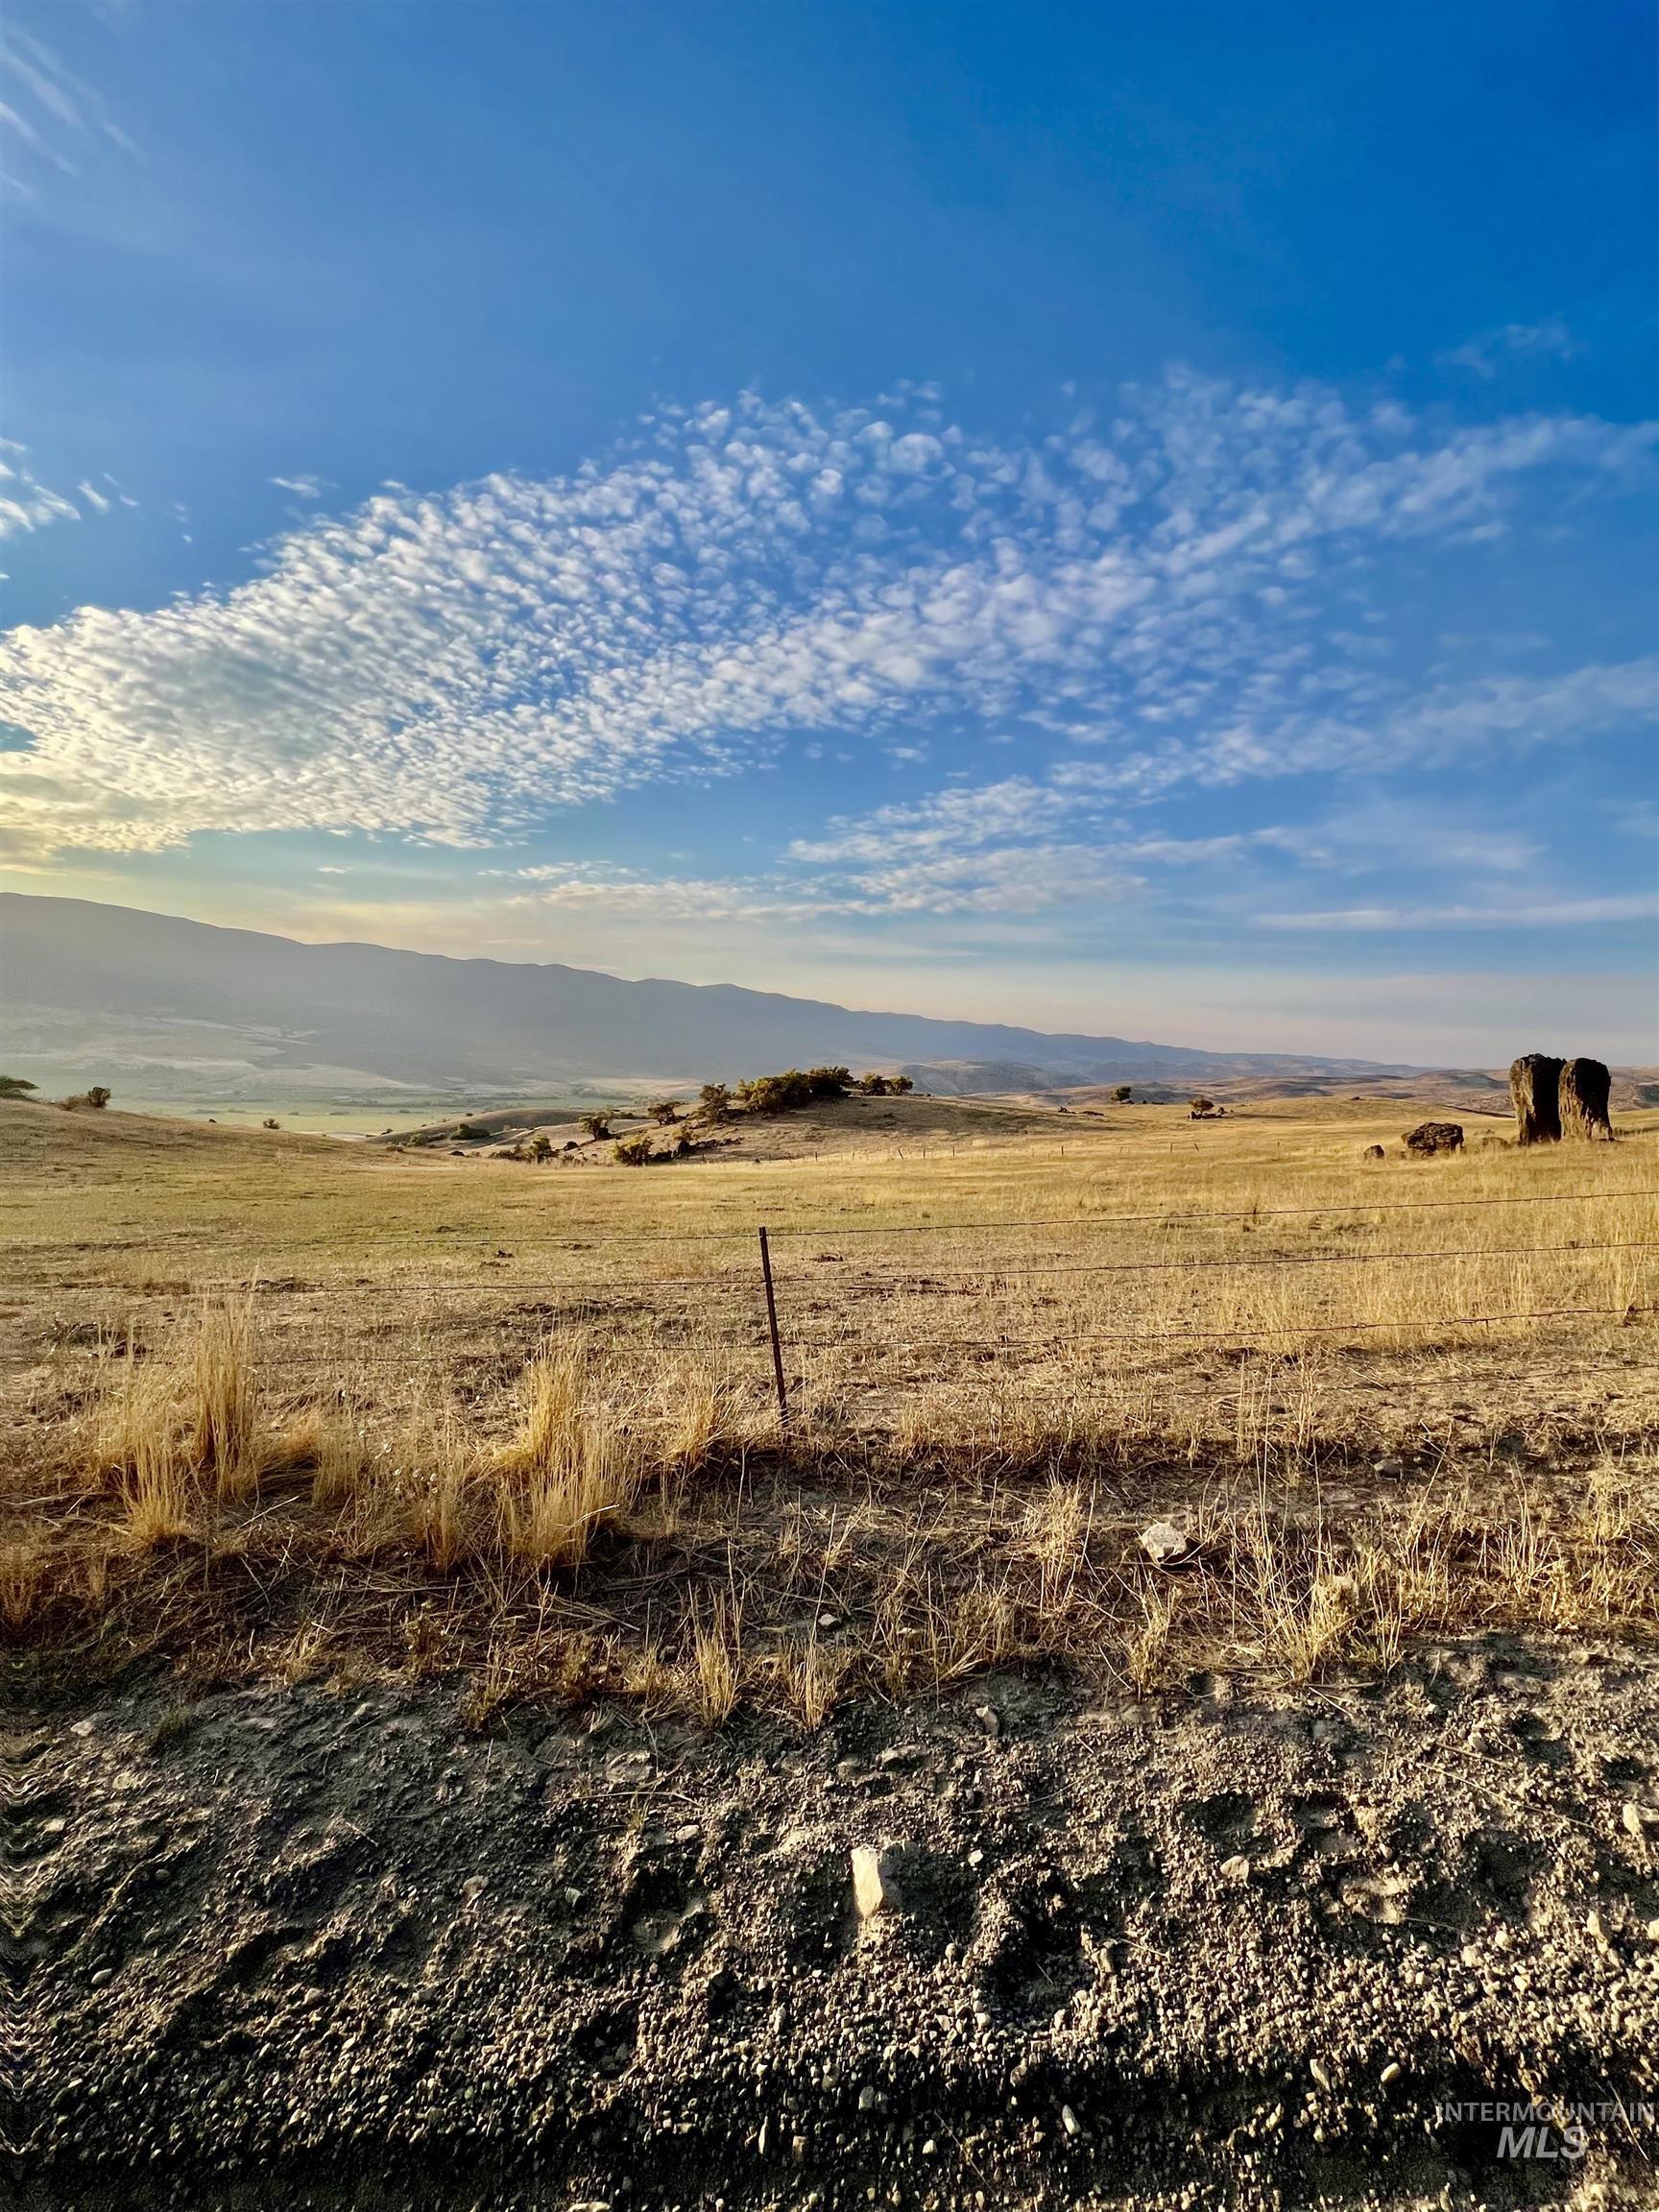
pixel 157 1007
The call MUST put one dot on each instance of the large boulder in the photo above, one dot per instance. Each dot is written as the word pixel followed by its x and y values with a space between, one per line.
pixel 1585 1087
pixel 1431 1137
pixel 1535 1089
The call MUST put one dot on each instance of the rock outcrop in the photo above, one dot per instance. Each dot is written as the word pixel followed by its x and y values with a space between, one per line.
pixel 1431 1137
pixel 1585 1087
pixel 1535 1088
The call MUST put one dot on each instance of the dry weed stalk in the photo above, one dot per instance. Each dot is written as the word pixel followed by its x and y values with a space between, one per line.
pixel 573 1467
pixel 715 1668
pixel 224 1410
pixel 812 1678
pixel 170 1430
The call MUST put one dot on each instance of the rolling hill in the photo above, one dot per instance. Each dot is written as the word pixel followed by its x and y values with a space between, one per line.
pixel 152 1004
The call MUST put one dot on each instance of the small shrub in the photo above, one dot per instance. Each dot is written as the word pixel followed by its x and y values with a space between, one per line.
pixel 270 1122
pixel 665 1111
pixel 540 1147
pixel 469 1132
pixel 595 1125
pixel 93 1101
pixel 14 1086
pixel 714 1102
pixel 1122 1094
pixel 634 1151
pixel 872 1085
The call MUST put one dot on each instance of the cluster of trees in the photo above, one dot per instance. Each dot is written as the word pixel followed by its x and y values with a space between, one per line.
pixel 93 1100
pixel 802 1086
pixel 640 1152
pixel 716 1103
pixel 795 1087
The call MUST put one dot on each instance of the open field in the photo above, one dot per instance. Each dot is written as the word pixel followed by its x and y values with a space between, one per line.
pixel 452 1692
pixel 1000 1353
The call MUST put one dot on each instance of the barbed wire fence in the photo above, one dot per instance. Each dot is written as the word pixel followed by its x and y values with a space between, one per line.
pixel 786 1314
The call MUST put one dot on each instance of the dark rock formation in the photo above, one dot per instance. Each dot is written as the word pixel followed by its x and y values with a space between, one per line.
pixel 1535 1088
pixel 1585 1085
pixel 1374 1152
pixel 1431 1137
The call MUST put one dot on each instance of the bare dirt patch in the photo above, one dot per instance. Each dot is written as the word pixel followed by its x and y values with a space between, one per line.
pixel 1208 1946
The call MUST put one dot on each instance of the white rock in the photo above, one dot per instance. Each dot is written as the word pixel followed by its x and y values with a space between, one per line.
pixel 1236 1868
pixel 1069 2121
pixel 1165 1543
pixel 873 1889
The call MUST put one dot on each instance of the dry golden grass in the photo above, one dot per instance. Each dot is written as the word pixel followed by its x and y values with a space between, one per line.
pixel 526 1422
pixel 572 1468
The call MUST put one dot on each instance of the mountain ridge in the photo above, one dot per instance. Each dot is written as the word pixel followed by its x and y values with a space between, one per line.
pixel 160 994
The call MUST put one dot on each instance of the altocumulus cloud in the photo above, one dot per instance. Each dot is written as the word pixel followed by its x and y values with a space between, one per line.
pixel 454 667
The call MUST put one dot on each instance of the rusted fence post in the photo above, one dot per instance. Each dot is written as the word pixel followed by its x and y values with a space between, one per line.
pixel 772 1326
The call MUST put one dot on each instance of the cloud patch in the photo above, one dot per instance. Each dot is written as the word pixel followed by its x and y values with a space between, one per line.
pixel 26 504
pixel 458 667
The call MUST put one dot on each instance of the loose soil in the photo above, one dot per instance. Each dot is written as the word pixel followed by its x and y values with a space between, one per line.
pixel 326 1945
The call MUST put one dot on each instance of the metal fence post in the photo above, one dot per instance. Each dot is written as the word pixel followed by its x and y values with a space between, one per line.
pixel 772 1326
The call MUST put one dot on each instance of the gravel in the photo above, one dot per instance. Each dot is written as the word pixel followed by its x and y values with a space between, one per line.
pixel 283 1946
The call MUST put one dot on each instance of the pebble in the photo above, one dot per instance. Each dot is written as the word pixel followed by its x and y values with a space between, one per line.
pixel 1069 2121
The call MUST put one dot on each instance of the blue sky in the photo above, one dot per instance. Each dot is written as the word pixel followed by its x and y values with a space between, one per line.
pixel 1129 518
